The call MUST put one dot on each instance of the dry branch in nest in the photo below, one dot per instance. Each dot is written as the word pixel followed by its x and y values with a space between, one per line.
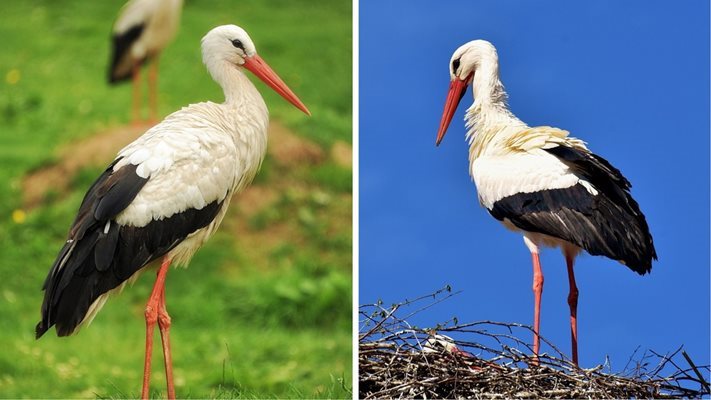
pixel 489 360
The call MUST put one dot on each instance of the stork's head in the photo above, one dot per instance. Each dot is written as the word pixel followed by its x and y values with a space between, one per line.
pixel 231 45
pixel 465 61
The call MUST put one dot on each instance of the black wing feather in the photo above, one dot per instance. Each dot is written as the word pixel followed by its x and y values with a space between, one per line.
pixel 105 249
pixel 118 192
pixel 599 172
pixel 100 254
pixel 610 223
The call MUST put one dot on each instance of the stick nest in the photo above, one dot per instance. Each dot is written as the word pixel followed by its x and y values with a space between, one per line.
pixel 488 360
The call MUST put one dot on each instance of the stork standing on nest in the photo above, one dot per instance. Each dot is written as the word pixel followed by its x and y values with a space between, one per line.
pixel 542 182
pixel 164 195
pixel 141 31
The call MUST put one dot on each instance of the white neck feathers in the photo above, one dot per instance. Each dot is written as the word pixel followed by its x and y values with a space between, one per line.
pixel 489 116
pixel 234 83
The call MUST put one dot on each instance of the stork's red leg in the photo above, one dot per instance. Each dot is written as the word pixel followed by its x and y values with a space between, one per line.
pixel 573 303
pixel 153 90
pixel 152 311
pixel 537 292
pixel 136 74
pixel 164 326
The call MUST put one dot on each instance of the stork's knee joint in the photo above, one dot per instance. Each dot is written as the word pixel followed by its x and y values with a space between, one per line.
pixel 573 297
pixel 164 319
pixel 151 314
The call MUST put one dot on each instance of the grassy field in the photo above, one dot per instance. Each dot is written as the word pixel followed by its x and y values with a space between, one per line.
pixel 264 310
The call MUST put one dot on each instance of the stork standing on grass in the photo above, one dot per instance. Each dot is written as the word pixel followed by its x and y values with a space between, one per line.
pixel 542 182
pixel 141 31
pixel 164 195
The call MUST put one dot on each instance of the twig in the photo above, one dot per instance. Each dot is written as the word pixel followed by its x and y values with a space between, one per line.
pixel 702 381
pixel 398 360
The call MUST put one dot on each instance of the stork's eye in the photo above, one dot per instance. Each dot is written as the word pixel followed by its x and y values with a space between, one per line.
pixel 238 44
pixel 455 65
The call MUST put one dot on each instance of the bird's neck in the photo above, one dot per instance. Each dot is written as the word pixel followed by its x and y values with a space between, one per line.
pixel 238 89
pixel 489 117
pixel 245 115
pixel 242 99
pixel 487 87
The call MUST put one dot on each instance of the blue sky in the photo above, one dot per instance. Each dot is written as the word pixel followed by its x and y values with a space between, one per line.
pixel 630 78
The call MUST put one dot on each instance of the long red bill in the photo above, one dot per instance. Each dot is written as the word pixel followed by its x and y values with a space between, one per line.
pixel 260 68
pixel 457 88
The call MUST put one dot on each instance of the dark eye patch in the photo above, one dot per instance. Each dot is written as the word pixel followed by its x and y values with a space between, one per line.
pixel 238 44
pixel 455 65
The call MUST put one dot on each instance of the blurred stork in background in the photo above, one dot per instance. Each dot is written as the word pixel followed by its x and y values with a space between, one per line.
pixel 164 195
pixel 141 31
pixel 542 182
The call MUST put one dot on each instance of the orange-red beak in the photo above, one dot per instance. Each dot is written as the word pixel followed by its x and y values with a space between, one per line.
pixel 457 88
pixel 268 76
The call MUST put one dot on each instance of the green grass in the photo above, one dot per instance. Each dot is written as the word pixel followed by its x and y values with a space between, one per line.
pixel 251 319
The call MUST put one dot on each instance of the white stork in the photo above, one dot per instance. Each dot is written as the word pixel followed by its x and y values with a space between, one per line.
pixel 164 195
pixel 542 182
pixel 141 31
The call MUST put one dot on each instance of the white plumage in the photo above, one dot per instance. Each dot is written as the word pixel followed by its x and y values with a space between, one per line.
pixel 497 177
pixel 174 165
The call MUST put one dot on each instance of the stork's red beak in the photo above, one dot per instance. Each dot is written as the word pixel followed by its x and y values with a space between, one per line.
pixel 268 76
pixel 457 88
